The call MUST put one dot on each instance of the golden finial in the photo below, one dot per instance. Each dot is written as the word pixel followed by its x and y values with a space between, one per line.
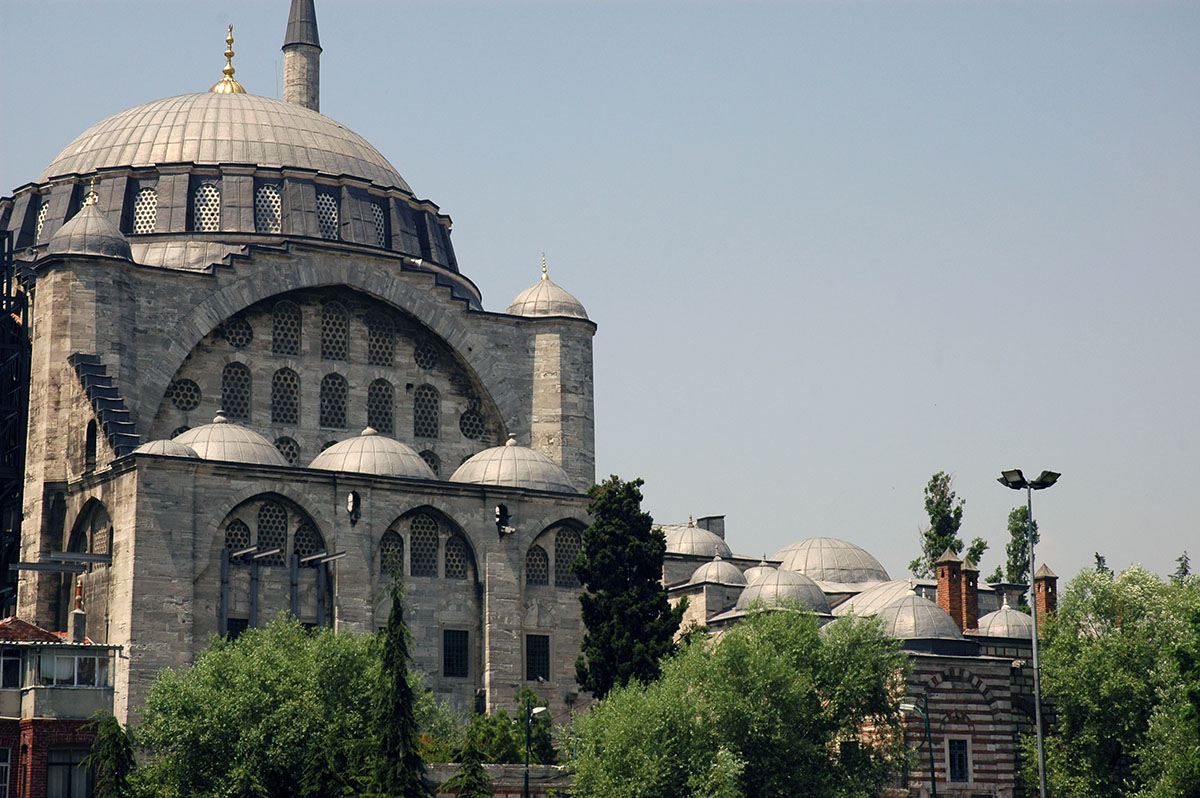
pixel 545 276
pixel 91 197
pixel 227 84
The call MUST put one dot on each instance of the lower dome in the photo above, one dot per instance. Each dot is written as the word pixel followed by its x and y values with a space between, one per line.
pixel 372 453
pixel 222 440
pixel 514 466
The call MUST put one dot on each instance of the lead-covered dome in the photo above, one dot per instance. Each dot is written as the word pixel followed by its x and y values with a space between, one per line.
pixel 781 588
pixel 212 128
pixel 169 448
pixel 718 572
pixel 546 298
pixel 874 598
pixel 832 562
pixel 222 440
pixel 90 233
pixel 1006 622
pixel 696 541
pixel 917 618
pixel 514 466
pixel 372 453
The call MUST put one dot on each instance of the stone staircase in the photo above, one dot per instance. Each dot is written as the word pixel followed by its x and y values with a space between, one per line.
pixel 107 403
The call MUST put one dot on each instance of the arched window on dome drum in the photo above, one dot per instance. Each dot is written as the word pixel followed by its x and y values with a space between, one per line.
pixel 285 397
pixel 289 449
pixel 380 224
pixel 327 216
pixel 43 206
pixel 537 566
pixel 334 395
pixel 268 209
pixel 235 391
pixel 272 532
pixel 391 554
pixel 334 331
pixel 145 211
pixel 206 208
pixel 307 540
pixel 426 411
pixel 567 544
pixel 380 400
pixel 237 537
pixel 381 341
pixel 285 328
pixel 423 540
pixel 457 557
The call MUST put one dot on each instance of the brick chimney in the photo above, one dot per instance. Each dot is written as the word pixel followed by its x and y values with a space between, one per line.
pixel 970 595
pixel 77 620
pixel 949 585
pixel 1045 591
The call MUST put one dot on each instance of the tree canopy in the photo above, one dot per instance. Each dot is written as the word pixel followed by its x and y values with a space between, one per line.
pixel 630 624
pixel 1016 564
pixel 775 706
pixel 945 511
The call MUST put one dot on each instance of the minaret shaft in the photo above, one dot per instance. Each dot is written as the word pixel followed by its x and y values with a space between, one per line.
pixel 302 57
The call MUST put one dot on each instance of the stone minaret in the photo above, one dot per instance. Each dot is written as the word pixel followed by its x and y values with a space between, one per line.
pixel 302 57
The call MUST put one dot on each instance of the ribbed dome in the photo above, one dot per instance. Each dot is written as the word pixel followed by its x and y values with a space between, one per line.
pixel 371 453
pixel 1006 622
pixel 514 466
pixel 758 571
pixel 167 447
pixel 783 587
pixel 832 561
pixel 213 128
pixel 546 298
pixel 694 540
pixel 89 233
pixel 221 440
pixel 874 598
pixel 917 618
pixel 718 572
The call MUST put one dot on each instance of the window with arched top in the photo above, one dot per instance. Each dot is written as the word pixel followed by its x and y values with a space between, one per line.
pixel 537 566
pixel 235 390
pixel 391 554
pixel 285 397
pixel 380 225
pixel 268 209
pixel 206 208
pixel 334 396
pixel 457 558
pixel 307 540
pixel 335 329
pixel 567 545
pixel 237 537
pixel 145 211
pixel 380 401
pixel 327 216
pixel 423 544
pixel 289 449
pixel 426 411
pixel 285 328
pixel 272 532
pixel 433 461
pixel 41 220
pixel 381 340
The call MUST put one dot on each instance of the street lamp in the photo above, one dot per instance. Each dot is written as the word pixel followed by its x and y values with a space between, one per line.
pixel 1016 480
pixel 924 710
pixel 530 711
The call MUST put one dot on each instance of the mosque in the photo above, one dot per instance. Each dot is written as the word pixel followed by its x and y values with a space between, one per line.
pixel 257 380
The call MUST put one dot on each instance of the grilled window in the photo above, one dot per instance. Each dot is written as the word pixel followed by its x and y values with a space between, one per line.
pixel 184 394
pixel 327 216
pixel 272 532
pixel 391 554
pixel 426 412
pixel 456 558
pixel 537 566
pixel 268 209
pixel 307 540
pixel 285 328
pixel 285 397
pixel 454 653
pixel 334 395
pixel 206 208
pixel 235 390
pixel 334 332
pixel 566 548
pixel 433 461
pixel 238 333
pixel 145 211
pixel 381 341
pixel 289 449
pixel 424 541
pixel 537 658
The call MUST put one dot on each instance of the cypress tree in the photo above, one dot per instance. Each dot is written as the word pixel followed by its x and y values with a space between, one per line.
pixel 470 780
pixel 630 625
pixel 111 757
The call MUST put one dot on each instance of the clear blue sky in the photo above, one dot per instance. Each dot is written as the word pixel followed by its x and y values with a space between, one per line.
pixel 832 248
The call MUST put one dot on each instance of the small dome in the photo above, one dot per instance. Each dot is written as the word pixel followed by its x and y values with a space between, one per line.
pixel 89 233
pixel 832 562
pixel 759 571
pixel 718 572
pixel 514 466
pixel 694 540
pixel 874 598
pixel 167 447
pixel 1006 622
pixel 371 453
pixel 546 298
pixel 783 587
pixel 221 440
pixel 917 618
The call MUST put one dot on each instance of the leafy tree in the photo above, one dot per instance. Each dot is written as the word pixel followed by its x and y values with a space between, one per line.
pixel 759 712
pixel 1016 565
pixel 630 625
pixel 1183 568
pixel 1102 565
pixel 111 759
pixel 471 780
pixel 945 511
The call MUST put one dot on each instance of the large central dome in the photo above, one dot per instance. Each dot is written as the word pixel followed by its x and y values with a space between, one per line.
pixel 215 128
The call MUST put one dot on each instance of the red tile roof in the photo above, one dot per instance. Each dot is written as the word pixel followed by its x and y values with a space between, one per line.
pixel 15 630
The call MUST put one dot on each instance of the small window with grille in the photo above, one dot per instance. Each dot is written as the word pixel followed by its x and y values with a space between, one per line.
pixel 960 759
pixel 456 558
pixel 184 394
pixel 285 397
pixel 537 658
pixel 238 332
pixel 268 209
pixel 335 325
pixel 381 340
pixel 285 328
pixel 537 566
pixel 391 554
pixel 206 208
pixel 426 356
pixel 566 548
pixel 41 220
pixel 307 540
pixel 235 390
pixel 424 545
pixel 145 211
pixel 334 395
pixel 472 425
pixel 380 225
pixel 454 653
pixel 426 412
pixel 237 535
pixel 433 461
pixel 379 407
pixel 327 216
pixel 272 532
pixel 289 449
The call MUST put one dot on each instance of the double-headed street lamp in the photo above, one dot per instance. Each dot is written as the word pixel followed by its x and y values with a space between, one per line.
pixel 1016 480
pixel 924 710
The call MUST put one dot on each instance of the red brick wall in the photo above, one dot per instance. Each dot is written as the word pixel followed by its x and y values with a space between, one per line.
pixel 949 590
pixel 38 736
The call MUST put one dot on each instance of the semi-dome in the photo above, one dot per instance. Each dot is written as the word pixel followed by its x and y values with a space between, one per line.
pixel 693 540
pixel 372 453
pixel 757 572
pixel 718 572
pixel 874 598
pixel 916 618
pixel 1006 622
pixel 225 128
pixel 832 562
pixel 234 443
pixel 90 233
pixel 514 466
pixel 167 447
pixel 546 298
pixel 781 588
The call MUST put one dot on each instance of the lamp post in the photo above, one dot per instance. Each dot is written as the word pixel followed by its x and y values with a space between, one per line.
pixel 924 710
pixel 1016 480
pixel 530 711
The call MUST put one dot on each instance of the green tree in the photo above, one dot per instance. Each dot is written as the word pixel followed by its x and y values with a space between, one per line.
pixel 1016 564
pixel 470 780
pixel 1102 565
pixel 945 511
pixel 761 711
pixel 1183 568
pixel 111 759
pixel 630 625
